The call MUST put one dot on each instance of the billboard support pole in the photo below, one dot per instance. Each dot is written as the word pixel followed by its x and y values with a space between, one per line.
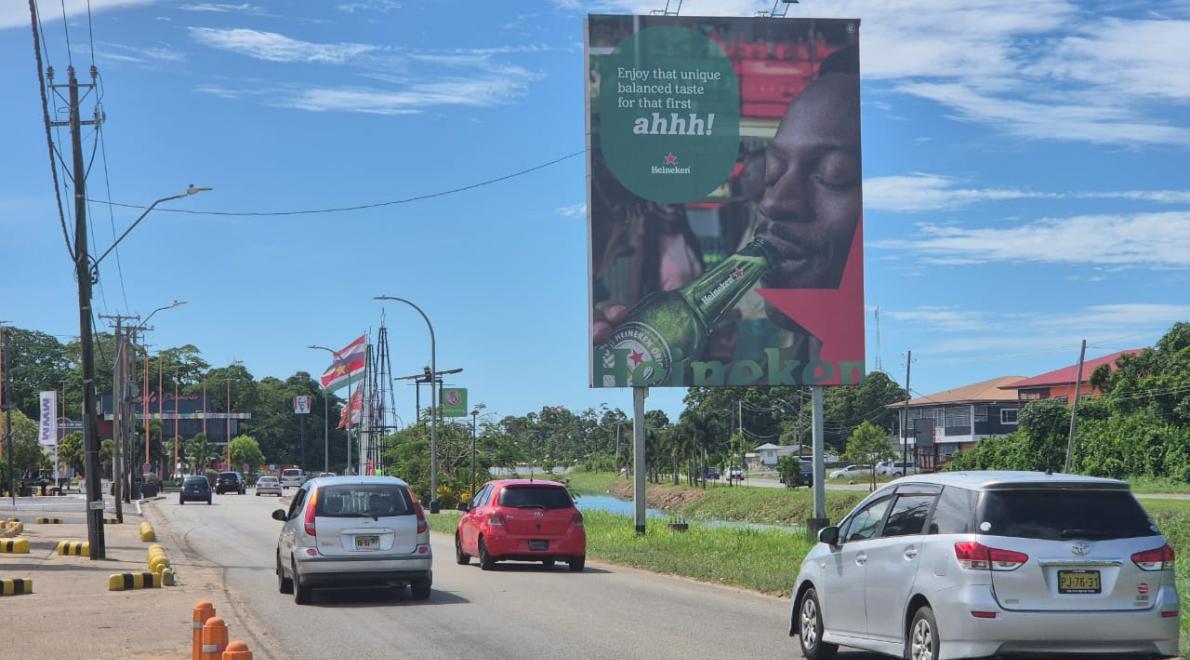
pixel 638 455
pixel 819 520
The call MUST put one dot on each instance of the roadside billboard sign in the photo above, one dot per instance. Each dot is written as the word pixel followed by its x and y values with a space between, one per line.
pixel 454 402
pixel 725 221
pixel 301 405
pixel 47 431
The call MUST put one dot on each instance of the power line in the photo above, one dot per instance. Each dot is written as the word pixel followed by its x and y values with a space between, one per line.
pixel 108 184
pixel 66 30
pixel 91 32
pixel 45 115
pixel 361 207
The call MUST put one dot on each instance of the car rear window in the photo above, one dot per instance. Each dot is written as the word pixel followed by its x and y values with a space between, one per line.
pixel 362 500
pixel 228 475
pixel 1058 515
pixel 291 473
pixel 546 497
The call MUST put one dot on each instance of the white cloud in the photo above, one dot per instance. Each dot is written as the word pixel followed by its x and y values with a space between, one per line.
pixel 1154 240
pixel 479 92
pixel 921 191
pixel 224 8
pixel 382 6
pixel 572 211
pixel 942 318
pixel 274 47
pixel 16 14
pixel 137 54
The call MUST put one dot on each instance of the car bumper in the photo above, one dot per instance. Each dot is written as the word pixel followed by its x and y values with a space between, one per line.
pixel 268 491
pixel 1143 632
pixel 516 546
pixel 194 497
pixel 332 572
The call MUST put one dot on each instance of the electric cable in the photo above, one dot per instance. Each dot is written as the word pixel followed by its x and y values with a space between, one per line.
pixel 45 114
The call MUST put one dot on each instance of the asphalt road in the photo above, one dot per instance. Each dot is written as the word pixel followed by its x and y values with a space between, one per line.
pixel 516 612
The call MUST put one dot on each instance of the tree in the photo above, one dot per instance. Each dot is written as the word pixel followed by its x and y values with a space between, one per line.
pixel 38 362
pixel 27 454
pixel 868 445
pixel 199 452
pixel 789 467
pixel 245 449
pixel 70 451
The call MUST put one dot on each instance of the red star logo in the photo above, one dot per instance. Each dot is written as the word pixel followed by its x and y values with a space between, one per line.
pixel 637 357
pixel 671 159
pixel 738 273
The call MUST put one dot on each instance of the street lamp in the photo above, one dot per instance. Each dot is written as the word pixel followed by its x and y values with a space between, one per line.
pixel 175 303
pixel 474 423
pixel 190 190
pixel 326 416
pixel 433 403
pixel 144 325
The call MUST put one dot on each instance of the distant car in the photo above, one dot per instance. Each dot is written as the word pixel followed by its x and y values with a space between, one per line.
pixel 982 564
pixel 292 477
pixel 895 469
pixel 353 531
pixel 326 474
pixel 735 473
pixel 195 488
pixel 268 485
pixel 852 471
pixel 711 474
pixel 230 482
pixel 521 520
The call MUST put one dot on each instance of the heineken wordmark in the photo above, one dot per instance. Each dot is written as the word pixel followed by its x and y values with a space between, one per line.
pixel 671 326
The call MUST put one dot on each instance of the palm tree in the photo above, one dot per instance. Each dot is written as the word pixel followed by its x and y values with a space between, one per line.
pixel 199 452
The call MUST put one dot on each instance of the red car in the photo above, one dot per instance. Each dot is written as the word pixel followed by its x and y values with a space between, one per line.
pixel 521 520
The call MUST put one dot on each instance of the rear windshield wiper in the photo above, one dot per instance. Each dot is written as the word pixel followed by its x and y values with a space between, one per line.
pixel 1085 534
pixel 532 506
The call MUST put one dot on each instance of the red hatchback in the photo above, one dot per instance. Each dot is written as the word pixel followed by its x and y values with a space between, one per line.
pixel 521 520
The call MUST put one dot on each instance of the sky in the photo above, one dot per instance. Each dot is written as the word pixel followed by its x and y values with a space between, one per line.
pixel 1024 182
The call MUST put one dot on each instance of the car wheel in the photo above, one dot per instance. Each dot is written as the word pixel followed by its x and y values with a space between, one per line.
pixel 181 502
pixel 284 584
pixel 208 500
pixel 461 558
pixel 258 494
pixel 577 564
pixel 420 589
pixel 486 561
pixel 897 474
pixel 923 639
pixel 809 626
pixel 301 594
pixel 548 563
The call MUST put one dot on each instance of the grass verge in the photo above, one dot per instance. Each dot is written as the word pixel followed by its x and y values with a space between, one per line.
pixel 1173 517
pixel 1158 485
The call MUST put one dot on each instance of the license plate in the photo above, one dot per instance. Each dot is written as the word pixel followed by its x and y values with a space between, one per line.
pixel 1078 582
pixel 367 543
pixel 539 545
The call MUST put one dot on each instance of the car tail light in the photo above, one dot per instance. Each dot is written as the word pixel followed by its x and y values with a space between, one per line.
pixel 1169 614
pixel 977 556
pixel 1157 559
pixel 496 519
pixel 310 507
pixel 421 518
pixel 576 520
pixel 980 614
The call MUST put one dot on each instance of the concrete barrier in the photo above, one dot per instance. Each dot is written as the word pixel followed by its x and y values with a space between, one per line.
pixel 129 581
pixel 15 586
pixel 48 521
pixel 146 533
pixel 237 650
pixel 203 610
pixel 214 639
pixel 168 578
pixel 79 548
pixel 17 546
pixel 13 528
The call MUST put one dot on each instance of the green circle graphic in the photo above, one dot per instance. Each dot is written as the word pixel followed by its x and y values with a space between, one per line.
pixel 669 114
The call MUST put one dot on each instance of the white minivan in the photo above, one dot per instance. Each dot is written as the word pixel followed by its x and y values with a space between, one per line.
pixel 292 478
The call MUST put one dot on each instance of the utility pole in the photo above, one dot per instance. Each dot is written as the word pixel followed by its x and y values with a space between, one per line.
pixel 1082 354
pixel 120 415
pixel 474 422
pixel 905 419
pixel 82 269
pixel 6 407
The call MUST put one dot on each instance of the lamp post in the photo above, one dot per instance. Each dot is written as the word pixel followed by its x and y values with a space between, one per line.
pixel 144 326
pixel 474 424
pixel 326 415
pixel 433 403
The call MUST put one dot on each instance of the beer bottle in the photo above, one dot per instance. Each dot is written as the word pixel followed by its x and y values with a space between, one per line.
pixel 668 327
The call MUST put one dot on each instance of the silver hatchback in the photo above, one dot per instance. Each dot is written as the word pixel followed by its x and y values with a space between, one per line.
pixel 966 565
pixel 353 531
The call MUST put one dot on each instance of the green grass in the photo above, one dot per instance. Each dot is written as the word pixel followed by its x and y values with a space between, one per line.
pixel 1173 516
pixel 1158 485
pixel 765 561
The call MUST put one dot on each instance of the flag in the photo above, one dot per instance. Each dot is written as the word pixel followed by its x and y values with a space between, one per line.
pixel 348 366
pixel 350 414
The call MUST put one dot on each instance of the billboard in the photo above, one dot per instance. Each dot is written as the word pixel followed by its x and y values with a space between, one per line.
pixel 725 213
pixel 301 404
pixel 47 429
pixel 453 401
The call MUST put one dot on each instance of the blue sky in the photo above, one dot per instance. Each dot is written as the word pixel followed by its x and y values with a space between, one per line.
pixel 1025 181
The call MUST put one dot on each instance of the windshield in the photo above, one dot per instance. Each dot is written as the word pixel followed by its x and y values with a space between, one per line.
pixel 291 473
pixel 362 500
pixel 536 497
pixel 267 480
pixel 1059 515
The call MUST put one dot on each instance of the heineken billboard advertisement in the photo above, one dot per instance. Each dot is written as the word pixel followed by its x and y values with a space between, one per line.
pixel 725 212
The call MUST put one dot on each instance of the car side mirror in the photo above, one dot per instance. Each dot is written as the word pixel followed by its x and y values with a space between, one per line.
pixel 463 507
pixel 279 514
pixel 829 535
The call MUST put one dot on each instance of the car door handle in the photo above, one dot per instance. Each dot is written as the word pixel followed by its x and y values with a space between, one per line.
pixel 861 558
pixel 910 553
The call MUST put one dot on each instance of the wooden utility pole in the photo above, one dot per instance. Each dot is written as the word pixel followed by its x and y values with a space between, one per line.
pixel 1078 382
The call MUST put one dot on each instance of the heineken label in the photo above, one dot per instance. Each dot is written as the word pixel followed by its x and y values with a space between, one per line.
pixel 635 355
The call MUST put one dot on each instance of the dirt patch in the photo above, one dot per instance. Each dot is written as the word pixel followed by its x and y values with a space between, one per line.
pixel 659 497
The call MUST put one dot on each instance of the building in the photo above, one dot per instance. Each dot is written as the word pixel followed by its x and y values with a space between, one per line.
pixel 937 426
pixel 184 417
pixel 768 453
pixel 1059 383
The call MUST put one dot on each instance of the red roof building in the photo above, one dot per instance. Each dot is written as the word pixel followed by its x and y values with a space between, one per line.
pixel 1059 383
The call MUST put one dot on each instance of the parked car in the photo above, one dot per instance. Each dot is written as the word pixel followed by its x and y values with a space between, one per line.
pixel 230 482
pixel 353 531
pixel 292 477
pixel 987 564
pixel 895 468
pixel 711 474
pixel 735 473
pixel 268 485
pixel 521 520
pixel 852 471
pixel 195 488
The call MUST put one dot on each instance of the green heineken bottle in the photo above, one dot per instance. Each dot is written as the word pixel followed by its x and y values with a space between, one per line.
pixel 670 326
